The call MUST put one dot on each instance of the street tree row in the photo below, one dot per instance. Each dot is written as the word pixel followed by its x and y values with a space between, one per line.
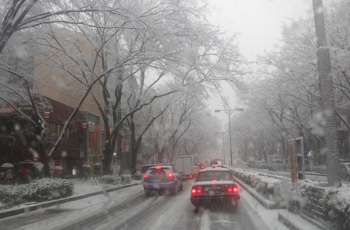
pixel 113 53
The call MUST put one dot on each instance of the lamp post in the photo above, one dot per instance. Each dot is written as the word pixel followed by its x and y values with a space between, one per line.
pixel 228 111
pixel 223 143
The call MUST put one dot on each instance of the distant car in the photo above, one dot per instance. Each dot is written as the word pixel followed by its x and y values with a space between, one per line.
pixel 144 170
pixel 214 186
pixel 345 170
pixel 196 169
pixel 278 165
pixel 262 164
pixel 162 178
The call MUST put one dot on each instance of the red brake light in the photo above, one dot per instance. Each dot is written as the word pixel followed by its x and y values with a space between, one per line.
pixel 145 176
pixel 190 176
pixel 213 180
pixel 195 171
pixel 229 190
pixel 157 168
pixel 169 175
pixel 196 190
pixel 216 165
pixel 235 189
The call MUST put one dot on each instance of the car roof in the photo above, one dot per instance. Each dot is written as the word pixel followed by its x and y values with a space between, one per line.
pixel 161 166
pixel 211 168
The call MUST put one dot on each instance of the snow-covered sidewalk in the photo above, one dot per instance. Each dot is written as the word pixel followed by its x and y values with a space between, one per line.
pixel 82 189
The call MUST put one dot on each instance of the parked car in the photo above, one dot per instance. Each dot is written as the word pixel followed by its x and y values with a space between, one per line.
pixel 144 170
pixel 162 178
pixel 262 164
pixel 277 165
pixel 214 186
pixel 345 170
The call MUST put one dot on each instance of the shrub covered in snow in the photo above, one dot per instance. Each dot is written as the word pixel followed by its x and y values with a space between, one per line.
pixel 107 179
pixel 126 178
pixel 320 169
pixel 37 190
pixel 316 200
pixel 263 184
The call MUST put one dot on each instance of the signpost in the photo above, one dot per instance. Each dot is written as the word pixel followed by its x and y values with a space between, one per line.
pixel 292 160
pixel 52 164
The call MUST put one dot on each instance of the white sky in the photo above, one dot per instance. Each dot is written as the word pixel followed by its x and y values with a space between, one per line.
pixel 258 23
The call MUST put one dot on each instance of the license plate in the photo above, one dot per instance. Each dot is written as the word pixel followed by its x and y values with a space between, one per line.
pixel 213 192
pixel 156 180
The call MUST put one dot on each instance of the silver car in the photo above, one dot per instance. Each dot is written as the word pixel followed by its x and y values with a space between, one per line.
pixel 345 170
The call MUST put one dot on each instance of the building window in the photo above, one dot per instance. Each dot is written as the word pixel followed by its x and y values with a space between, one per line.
pixel 73 135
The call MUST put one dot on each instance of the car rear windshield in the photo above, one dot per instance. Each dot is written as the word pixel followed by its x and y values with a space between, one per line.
pixel 158 172
pixel 214 175
pixel 145 168
pixel 347 166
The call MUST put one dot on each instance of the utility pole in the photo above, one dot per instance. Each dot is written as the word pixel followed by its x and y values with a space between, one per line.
pixel 327 97
pixel 228 111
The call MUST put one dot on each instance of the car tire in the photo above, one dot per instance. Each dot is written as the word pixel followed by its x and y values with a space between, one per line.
pixel 181 187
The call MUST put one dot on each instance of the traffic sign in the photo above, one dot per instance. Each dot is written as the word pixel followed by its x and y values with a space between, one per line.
pixel 309 154
pixel 52 164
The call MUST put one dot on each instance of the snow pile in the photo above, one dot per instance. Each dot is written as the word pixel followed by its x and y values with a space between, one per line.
pixel 36 191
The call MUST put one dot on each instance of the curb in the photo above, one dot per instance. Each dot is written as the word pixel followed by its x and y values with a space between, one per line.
pixel 59 201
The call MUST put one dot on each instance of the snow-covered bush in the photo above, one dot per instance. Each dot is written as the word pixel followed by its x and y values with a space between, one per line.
pixel 263 184
pixel 37 190
pixel 126 178
pixel 320 169
pixel 107 179
pixel 327 203
pixel 337 205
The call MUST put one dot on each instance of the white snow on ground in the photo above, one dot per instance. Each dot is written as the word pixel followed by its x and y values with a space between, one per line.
pixel 80 208
pixel 205 222
pixel 268 216
pixel 298 221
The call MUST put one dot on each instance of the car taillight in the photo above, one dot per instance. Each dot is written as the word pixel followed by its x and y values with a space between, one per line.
pixel 157 168
pixel 169 175
pixel 234 189
pixel 145 176
pixel 196 190
pixel 190 176
pixel 213 180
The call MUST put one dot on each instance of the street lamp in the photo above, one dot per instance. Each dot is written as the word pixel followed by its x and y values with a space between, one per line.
pixel 223 143
pixel 228 111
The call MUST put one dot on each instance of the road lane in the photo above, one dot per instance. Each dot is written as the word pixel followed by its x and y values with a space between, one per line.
pixel 131 209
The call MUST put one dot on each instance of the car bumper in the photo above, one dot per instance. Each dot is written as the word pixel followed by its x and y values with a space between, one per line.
pixel 197 200
pixel 153 186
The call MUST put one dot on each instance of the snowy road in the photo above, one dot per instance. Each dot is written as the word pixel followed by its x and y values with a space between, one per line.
pixel 131 209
